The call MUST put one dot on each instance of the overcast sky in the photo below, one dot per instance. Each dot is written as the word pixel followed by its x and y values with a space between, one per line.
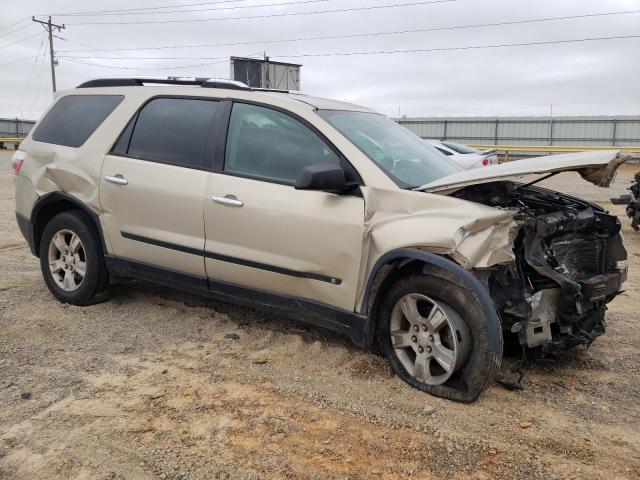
pixel 585 78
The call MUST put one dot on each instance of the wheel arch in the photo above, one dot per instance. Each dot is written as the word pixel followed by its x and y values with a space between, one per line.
pixel 50 205
pixel 399 262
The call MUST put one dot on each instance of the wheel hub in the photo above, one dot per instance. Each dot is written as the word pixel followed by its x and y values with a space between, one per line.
pixel 425 337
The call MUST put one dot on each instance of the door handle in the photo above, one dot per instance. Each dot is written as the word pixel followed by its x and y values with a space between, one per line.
pixel 117 180
pixel 228 200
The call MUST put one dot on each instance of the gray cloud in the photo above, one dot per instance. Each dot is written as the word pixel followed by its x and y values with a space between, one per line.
pixel 578 78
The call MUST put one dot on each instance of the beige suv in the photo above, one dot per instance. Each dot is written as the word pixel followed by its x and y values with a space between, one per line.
pixel 322 211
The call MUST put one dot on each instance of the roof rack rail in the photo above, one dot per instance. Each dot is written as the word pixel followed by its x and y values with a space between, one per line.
pixel 230 84
pixel 140 81
pixel 276 90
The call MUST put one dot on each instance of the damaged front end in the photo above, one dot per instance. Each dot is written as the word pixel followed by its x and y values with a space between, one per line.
pixel 569 263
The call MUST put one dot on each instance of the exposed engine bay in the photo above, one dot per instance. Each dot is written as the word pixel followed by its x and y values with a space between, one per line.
pixel 570 262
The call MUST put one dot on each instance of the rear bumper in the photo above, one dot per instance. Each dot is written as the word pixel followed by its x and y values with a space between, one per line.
pixel 26 228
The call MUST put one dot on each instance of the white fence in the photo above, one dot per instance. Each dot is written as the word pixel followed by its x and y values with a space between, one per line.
pixel 542 131
pixel 15 127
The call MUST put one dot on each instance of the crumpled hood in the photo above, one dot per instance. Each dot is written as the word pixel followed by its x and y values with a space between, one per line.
pixel 598 167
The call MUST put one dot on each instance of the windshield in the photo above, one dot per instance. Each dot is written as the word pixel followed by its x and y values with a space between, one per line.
pixel 458 147
pixel 403 156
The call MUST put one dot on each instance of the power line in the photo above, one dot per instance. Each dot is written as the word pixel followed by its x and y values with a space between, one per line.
pixel 296 2
pixel 15 30
pixel 140 58
pixel 17 61
pixel 360 35
pixel 91 46
pixel 141 9
pixel 39 75
pixel 14 24
pixel 273 15
pixel 177 67
pixel 20 40
pixel 145 68
pixel 376 52
pixel 26 86
pixel 446 49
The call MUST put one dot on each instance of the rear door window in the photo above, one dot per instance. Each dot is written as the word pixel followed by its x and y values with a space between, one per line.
pixel 171 130
pixel 74 118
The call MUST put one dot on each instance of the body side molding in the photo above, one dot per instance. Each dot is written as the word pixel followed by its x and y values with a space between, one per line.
pixel 235 260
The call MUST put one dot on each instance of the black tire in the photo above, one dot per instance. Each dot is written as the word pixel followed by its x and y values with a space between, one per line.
pixel 476 371
pixel 94 287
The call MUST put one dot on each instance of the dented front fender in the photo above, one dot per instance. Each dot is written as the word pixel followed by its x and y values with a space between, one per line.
pixel 472 234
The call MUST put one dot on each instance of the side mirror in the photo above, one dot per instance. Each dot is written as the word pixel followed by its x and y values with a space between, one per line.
pixel 323 176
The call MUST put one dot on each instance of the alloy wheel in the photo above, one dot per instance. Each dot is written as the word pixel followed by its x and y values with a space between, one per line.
pixel 429 338
pixel 67 260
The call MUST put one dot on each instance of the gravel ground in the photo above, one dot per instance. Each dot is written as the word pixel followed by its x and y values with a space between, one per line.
pixel 156 383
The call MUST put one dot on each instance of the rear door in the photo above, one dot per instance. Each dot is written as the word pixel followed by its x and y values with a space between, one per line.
pixel 153 181
pixel 263 233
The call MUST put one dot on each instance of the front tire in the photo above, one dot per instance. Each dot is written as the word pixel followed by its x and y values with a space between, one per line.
pixel 72 260
pixel 434 333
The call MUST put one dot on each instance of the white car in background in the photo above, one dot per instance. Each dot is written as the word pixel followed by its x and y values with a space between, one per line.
pixel 465 156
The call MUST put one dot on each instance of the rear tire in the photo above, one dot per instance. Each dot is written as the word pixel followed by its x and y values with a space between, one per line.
pixel 433 331
pixel 72 260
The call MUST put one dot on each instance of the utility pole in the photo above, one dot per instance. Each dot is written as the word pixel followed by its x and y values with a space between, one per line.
pixel 266 70
pixel 50 27
pixel 551 125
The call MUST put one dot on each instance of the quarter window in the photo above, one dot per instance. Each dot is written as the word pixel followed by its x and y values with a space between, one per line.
pixel 74 118
pixel 171 130
pixel 266 144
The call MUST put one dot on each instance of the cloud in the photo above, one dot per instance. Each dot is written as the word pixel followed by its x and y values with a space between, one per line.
pixel 577 78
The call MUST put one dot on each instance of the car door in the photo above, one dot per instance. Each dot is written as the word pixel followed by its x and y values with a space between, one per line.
pixel 152 185
pixel 264 234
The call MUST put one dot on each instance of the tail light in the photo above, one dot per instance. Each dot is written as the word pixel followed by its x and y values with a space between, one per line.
pixel 485 162
pixel 17 161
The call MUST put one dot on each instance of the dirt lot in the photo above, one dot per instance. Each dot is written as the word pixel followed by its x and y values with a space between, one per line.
pixel 156 383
